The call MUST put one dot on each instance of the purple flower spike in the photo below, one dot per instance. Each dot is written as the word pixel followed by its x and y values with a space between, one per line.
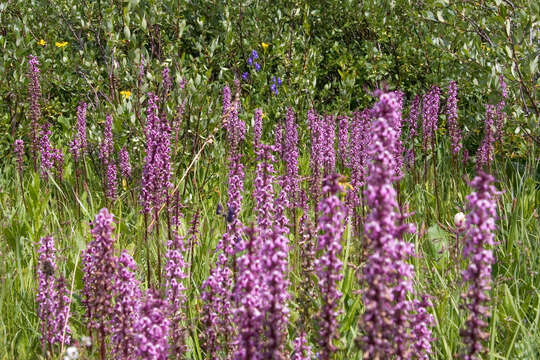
pixel 157 163
pixel 152 328
pixel 47 152
pixel 302 351
pixel 175 268
pixel 107 145
pixel 167 83
pixel 78 144
pixel 34 94
pixel 430 115
pixel 249 314
pixel 125 165
pixel 127 293
pixel 343 138
pixel 99 268
pixel 358 146
pixel 485 154
pixel 328 265
pixel 421 329
pixel 52 297
pixel 452 114
pixel 290 157
pixel 479 239
pixel 388 276
pixel 257 128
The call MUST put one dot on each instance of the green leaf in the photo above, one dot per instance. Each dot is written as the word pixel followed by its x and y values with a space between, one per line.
pixel 533 66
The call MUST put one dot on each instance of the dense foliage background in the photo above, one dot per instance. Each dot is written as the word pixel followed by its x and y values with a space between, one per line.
pixel 329 55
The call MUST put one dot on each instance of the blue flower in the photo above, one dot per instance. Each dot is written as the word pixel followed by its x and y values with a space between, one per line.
pixel 257 66
pixel 254 54
pixel 245 76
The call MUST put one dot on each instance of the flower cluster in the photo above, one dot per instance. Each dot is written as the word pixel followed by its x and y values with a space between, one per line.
pixel 358 145
pixel 125 165
pixel 328 265
pixel 247 294
pixel 78 144
pixel 276 83
pixel 152 328
pixel 252 60
pixel 485 152
pixel 387 274
pixel 46 151
pixel 302 351
pixel 257 128
pixel 127 294
pixel 52 297
pixel 430 115
pixel 99 267
pixel 290 157
pixel 174 275
pixel 452 115
pixel 157 165
pixel 106 157
pixel 34 95
pixel 343 138
pixel 479 238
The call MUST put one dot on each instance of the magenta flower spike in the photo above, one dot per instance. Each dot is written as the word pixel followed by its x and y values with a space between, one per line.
pixel 328 140
pixel 485 153
pixel 430 115
pixel 358 146
pixel 302 350
pixel 52 297
pixel 99 268
pixel 249 312
pixel 79 144
pixel 47 152
pixel 479 240
pixel 34 95
pixel 157 163
pixel 127 294
pixel 388 276
pixel 107 160
pixel 125 165
pixel 291 181
pixel 316 162
pixel 152 328
pixel 175 273
pixel 421 325
pixel 452 116
pixel 257 128
pixel 328 265
pixel 343 138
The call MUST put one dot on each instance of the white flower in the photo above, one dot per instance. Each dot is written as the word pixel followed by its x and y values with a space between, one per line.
pixel 72 353
pixel 86 341
pixel 459 220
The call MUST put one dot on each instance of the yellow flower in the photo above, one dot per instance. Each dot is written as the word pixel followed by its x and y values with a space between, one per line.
pixel 264 46
pixel 125 93
pixel 263 115
pixel 42 42
pixel 342 181
pixel 61 44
